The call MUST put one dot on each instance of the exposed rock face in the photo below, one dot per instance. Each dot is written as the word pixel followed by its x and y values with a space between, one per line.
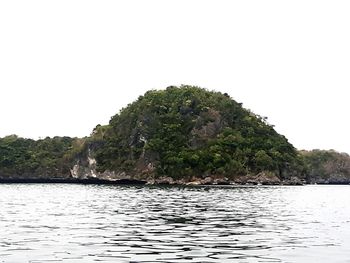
pixel 85 169
pixel 208 125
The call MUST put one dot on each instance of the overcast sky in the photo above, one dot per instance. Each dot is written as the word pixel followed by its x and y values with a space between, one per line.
pixel 66 66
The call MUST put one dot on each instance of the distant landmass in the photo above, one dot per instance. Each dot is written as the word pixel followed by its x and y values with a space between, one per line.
pixel 180 135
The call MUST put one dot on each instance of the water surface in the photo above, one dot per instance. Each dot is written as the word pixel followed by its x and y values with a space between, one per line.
pixel 96 223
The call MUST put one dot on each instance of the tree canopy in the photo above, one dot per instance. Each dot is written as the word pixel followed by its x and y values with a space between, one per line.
pixel 24 157
pixel 188 130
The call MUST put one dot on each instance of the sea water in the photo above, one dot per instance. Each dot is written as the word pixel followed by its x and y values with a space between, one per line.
pixel 106 223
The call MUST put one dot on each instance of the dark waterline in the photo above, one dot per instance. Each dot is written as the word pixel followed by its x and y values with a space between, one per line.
pixel 70 181
pixel 104 223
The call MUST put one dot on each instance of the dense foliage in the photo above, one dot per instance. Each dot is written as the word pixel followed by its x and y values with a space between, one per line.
pixel 327 166
pixel 184 131
pixel 179 132
pixel 26 157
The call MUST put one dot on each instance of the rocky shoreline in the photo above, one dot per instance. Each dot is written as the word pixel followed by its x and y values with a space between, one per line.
pixel 253 180
pixel 259 179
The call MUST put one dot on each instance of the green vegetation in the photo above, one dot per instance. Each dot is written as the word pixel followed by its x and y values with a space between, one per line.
pixel 179 132
pixel 189 131
pixel 26 157
pixel 327 166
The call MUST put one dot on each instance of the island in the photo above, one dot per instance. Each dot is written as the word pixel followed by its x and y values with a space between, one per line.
pixel 180 135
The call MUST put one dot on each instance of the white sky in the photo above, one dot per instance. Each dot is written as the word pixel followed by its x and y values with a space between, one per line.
pixel 66 66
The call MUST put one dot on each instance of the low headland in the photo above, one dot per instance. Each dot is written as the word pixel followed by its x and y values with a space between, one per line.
pixel 181 135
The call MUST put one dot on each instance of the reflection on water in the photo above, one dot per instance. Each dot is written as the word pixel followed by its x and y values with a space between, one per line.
pixel 82 223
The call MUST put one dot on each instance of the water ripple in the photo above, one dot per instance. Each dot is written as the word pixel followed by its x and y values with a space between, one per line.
pixel 87 223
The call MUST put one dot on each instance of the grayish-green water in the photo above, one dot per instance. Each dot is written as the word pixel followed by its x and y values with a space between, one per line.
pixel 96 223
